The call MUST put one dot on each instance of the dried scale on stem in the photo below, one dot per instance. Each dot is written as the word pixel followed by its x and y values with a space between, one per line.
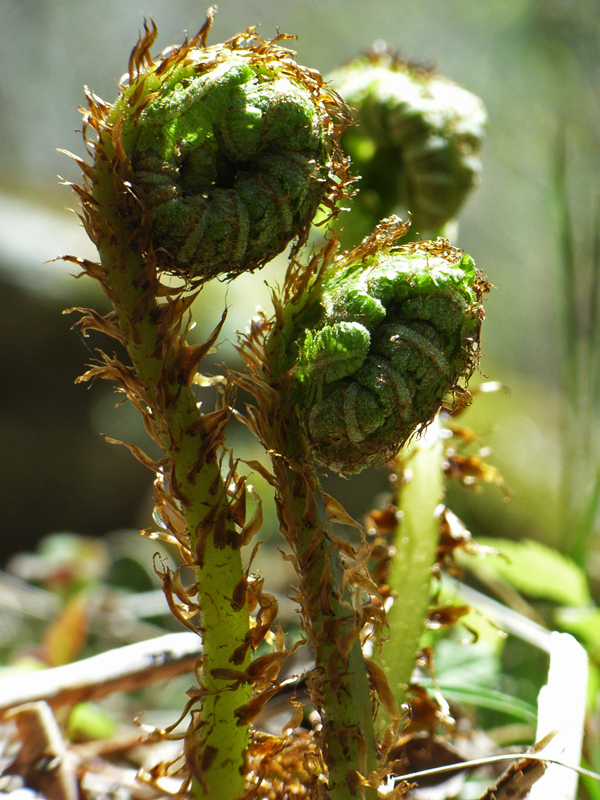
pixel 210 161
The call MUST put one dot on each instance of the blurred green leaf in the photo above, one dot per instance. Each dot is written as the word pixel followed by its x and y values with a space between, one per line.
pixel 89 721
pixel 466 664
pixel 534 569
pixel 592 787
pixel 469 673
pixel 583 623
pixel 490 699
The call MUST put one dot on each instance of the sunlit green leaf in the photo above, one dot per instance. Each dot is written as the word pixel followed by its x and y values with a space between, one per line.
pixel 584 623
pixel 534 569
pixel 90 721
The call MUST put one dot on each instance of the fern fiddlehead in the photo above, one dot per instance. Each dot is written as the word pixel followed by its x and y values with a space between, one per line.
pixel 231 150
pixel 383 339
pixel 416 144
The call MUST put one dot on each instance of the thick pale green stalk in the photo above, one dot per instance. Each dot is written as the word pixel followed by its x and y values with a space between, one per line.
pixel 220 742
pixel 416 543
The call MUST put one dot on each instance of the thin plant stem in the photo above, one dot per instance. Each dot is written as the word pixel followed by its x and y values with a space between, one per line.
pixel 570 356
pixel 580 292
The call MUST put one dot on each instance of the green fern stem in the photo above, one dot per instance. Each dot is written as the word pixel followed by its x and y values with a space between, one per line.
pixel 219 752
pixel 374 345
pixel 210 161
pixel 330 620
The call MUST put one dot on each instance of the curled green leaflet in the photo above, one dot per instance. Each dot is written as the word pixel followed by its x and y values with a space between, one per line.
pixel 231 150
pixel 382 339
pixel 416 143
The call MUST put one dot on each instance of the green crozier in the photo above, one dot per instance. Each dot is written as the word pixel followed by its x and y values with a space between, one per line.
pixel 378 345
pixel 415 146
pixel 232 156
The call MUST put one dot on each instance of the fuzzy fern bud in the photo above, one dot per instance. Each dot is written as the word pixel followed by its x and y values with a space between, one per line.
pixel 225 153
pixel 416 143
pixel 377 345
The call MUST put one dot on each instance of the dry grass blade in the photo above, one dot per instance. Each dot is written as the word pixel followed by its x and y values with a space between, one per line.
pixel 119 670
